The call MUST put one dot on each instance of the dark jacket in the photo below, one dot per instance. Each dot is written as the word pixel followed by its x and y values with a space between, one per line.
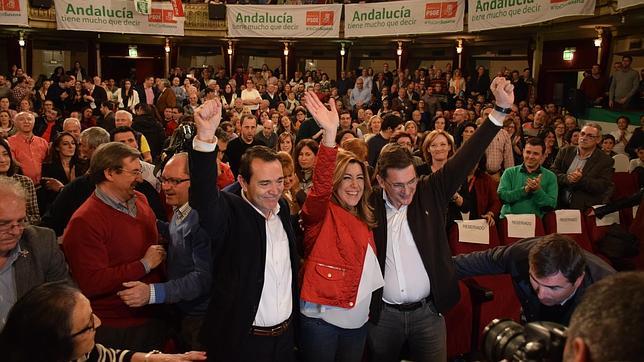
pixel 238 240
pixel 595 186
pixel 513 260
pixel 426 217
pixel 153 132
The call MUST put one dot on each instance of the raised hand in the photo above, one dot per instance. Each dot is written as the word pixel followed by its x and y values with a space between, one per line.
pixel 207 118
pixel 328 120
pixel 503 91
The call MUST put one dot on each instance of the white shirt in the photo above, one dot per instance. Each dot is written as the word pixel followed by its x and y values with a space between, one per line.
pixel 276 301
pixel 355 317
pixel 620 146
pixel 250 95
pixel 406 280
pixel 148 175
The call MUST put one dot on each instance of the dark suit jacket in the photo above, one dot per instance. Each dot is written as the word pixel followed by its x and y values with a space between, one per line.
pixel 100 95
pixel 143 98
pixel 238 240
pixel 596 185
pixel 165 100
pixel 426 217
pixel 40 260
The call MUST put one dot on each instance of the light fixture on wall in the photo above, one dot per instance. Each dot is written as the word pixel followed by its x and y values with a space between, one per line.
pixel 133 52
pixel 598 40
pixel 230 47
pixel 167 45
pixel 342 51
pixel 286 49
pixel 21 41
pixel 399 51
pixel 459 46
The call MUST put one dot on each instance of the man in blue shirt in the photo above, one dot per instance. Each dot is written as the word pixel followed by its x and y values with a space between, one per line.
pixel 188 262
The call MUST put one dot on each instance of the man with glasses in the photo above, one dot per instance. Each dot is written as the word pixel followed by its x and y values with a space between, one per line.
pixel 189 265
pixel 29 255
pixel 550 274
pixel 414 255
pixel 584 172
pixel 112 239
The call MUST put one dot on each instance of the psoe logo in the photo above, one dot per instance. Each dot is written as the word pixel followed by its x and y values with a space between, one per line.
pixel 10 5
pixel 441 10
pixel 165 16
pixel 317 18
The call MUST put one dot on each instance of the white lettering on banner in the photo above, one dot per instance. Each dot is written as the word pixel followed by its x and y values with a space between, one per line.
pixel 495 14
pixel 14 12
pixel 568 221
pixel 284 21
pixel 117 16
pixel 521 225
pixel 473 231
pixel 403 17
pixel 607 220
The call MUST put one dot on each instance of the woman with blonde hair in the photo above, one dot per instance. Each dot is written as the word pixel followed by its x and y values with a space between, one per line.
pixel 373 127
pixel 437 148
pixel 340 267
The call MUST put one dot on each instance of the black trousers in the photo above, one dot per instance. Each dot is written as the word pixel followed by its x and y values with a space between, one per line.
pixel 269 349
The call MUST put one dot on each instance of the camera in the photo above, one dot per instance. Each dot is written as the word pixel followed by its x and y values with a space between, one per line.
pixel 505 339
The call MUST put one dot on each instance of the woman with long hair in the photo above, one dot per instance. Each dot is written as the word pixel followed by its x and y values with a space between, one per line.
pixel 54 322
pixel 285 142
pixel 9 168
pixel 373 127
pixel 59 169
pixel 87 118
pixel 285 125
pixel 340 266
pixel 305 157
pixel 550 153
pixel 6 125
pixel 228 97
pixel 78 102
pixel 127 96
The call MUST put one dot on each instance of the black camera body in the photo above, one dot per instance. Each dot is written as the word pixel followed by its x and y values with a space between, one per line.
pixel 534 342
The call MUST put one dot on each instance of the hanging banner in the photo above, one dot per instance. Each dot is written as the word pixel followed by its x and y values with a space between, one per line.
pixel 283 21
pixel 177 7
pixel 116 16
pixel 621 4
pixel 403 17
pixel 14 12
pixel 495 14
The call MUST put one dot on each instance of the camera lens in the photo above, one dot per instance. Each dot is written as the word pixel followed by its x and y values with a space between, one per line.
pixel 501 339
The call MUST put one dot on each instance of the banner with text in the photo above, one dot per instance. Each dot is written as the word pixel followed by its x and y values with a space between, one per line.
pixel 403 17
pixel 621 4
pixel 495 14
pixel 14 12
pixel 116 16
pixel 283 21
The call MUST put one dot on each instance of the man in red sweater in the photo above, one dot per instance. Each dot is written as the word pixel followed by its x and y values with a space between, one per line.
pixel 112 239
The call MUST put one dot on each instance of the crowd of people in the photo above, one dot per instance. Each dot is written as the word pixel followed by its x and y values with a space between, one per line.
pixel 239 213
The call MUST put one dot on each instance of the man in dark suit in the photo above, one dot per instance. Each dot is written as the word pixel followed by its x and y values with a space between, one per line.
pixel 413 252
pixel 29 255
pixel 166 97
pixel 254 296
pixel 584 172
pixel 148 93
pixel 95 95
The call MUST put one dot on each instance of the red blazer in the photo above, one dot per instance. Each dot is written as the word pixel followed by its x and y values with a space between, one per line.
pixel 335 241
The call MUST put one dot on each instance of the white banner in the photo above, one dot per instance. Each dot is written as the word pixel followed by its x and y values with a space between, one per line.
pixel 521 225
pixel 568 221
pixel 14 12
pixel 117 16
pixel 621 4
pixel 403 17
pixel 473 231
pixel 495 14
pixel 283 21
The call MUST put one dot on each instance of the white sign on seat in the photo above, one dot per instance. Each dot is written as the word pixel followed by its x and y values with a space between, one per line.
pixel 521 225
pixel 568 221
pixel 473 231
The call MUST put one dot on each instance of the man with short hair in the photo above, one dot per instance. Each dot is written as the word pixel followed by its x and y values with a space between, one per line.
pixel 148 93
pixel 29 255
pixel 73 127
pixel 107 120
pixel 532 129
pixel 60 93
pixel 246 140
pixel 271 96
pixel 27 149
pixel 550 274
pixel 188 265
pixel 111 240
pixel 624 85
pixel 528 188
pixel 593 87
pixel 127 135
pixel 584 172
pixel 166 97
pixel 499 155
pixel 360 95
pixel 94 95
pixel 5 86
pixel 607 324
pixel 390 124
pixel 124 118
pixel 49 125
pixel 414 255
pixel 267 135
pixel 255 294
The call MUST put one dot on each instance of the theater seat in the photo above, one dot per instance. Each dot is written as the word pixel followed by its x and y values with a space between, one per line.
pixel 459 325
pixel 507 240
pixel 550 226
pixel 626 184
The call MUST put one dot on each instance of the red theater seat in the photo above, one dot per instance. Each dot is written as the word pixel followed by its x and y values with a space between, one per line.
pixel 550 226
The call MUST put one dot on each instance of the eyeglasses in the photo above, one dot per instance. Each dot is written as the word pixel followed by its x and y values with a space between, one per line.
pixel 90 327
pixel 402 186
pixel 172 181
pixel 132 172
pixel 6 225
pixel 584 134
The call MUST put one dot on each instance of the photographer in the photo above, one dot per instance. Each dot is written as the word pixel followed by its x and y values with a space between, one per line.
pixel 550 274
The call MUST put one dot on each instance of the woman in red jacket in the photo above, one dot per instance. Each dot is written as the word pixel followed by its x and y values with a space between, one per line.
pixel 340 270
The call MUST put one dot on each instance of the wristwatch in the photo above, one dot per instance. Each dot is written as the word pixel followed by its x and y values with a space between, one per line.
pixel 502 110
